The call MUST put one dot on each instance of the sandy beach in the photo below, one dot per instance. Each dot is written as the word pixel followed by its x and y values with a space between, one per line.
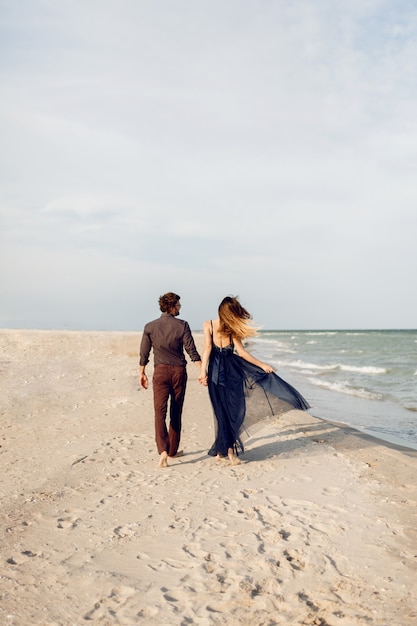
pixel 317 526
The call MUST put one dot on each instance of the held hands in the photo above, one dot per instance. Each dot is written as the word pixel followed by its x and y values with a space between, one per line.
pixel 203 380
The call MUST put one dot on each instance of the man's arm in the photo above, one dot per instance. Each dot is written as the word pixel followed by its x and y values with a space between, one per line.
pixel 189 346
pixel 145 349
pixel 208 345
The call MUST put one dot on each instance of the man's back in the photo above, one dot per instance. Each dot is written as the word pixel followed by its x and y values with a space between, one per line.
pixel 168 336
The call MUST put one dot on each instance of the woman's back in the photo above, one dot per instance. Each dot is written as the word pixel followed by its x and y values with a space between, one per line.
pixel 219 340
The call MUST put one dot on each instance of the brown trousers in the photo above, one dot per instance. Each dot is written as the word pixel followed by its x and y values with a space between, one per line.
pixel 169 383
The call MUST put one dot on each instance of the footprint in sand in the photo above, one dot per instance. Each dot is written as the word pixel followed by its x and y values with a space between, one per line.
pixel 148 612
pixel 314 608
pixel 332 491
pixel 67 522
pixel 294 560
pixel 21 557
pixel 285 534
pixel 180 523
pixel 195 552
pixel 130 530
pixel 109 608
pixel 249 586
pixel 212 522
pixel 246 493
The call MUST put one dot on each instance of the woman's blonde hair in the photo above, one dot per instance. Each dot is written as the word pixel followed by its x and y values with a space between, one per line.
pixel 234 319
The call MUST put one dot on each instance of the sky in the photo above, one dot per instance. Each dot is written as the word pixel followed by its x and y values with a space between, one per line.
pixel 260 148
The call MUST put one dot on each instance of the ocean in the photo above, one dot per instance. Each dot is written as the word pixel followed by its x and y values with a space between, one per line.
pixel 363 378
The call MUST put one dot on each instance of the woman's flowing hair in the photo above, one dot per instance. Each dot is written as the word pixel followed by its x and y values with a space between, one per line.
pixel 234 319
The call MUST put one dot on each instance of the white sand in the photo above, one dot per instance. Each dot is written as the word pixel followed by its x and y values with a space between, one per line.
pixel 316 526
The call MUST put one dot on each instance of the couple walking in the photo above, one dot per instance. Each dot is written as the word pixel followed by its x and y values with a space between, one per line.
pixel 242 389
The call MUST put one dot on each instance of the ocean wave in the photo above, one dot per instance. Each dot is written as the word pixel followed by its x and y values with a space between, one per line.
pixel 277 345
pixel 346 389
pixel 322 332
pixel 305 366
pixel 365 369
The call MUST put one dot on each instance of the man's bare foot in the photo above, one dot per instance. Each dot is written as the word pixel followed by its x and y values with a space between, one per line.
pixel 179 453
pixel 234 460
pixel 163 460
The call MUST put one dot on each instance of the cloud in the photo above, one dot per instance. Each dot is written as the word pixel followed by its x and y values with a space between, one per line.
pixel 216 146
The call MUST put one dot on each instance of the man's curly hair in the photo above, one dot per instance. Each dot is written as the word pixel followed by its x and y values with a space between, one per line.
pixel 168 301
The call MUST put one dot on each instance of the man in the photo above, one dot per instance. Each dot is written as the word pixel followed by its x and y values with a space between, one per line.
pixel 167 336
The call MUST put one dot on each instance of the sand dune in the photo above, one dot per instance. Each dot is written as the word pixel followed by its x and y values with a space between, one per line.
pixel 317 526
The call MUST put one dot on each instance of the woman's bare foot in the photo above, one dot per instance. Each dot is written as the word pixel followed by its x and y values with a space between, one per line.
pixel 234 460
pixel 163 460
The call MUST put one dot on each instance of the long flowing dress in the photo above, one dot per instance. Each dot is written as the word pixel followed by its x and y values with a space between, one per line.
pixel 243 395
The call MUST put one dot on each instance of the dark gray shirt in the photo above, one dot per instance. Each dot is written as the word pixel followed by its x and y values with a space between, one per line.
pixel 168 336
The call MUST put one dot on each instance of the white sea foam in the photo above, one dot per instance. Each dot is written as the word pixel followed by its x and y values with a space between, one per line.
pixel 278 346
pixel 322 332
pixel 266 340
pixel 366 369
pixel 341 387
pixel 305 366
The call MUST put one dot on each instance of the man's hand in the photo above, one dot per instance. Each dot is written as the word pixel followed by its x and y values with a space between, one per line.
pixel 143 379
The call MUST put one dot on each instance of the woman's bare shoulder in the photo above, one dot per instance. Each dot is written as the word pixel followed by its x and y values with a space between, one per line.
pixel 207 325
pixel 210 323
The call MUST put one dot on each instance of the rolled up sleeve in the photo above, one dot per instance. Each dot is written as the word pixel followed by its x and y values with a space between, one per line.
pixel 145 348
pixel 189 344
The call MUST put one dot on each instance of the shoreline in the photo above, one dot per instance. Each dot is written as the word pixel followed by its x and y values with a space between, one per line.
pixel 261 330
pixel 382 438
pixel 390 441
pixel 316 526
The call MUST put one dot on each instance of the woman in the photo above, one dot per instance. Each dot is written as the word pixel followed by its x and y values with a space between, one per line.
pixel 242 389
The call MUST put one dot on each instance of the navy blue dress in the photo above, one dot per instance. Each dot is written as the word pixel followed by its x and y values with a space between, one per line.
pixel 243 395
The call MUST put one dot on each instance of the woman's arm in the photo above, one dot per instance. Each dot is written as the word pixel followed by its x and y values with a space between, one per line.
pixel 244 354
pixel 208 342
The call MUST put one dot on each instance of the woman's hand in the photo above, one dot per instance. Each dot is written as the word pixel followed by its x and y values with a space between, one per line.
pixel 203 379
pixel 268 369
